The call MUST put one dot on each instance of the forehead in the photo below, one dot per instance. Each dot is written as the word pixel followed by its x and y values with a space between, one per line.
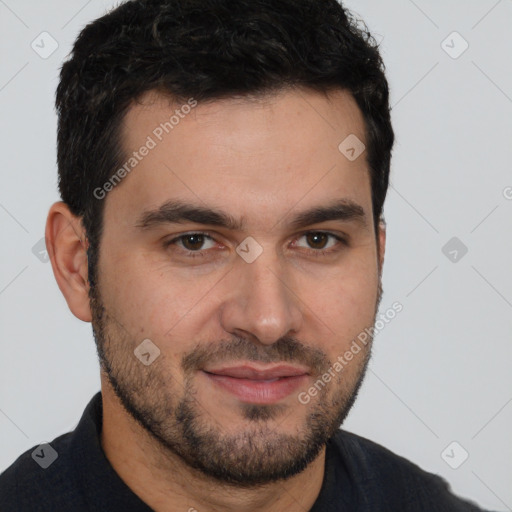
pixel 253 158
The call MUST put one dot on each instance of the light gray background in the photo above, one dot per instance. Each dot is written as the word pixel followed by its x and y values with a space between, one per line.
pixel 441 368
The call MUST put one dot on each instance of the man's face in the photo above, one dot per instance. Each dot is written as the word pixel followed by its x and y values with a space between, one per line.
pixel 241 333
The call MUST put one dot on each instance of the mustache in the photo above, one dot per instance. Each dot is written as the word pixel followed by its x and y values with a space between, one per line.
pixel 286 349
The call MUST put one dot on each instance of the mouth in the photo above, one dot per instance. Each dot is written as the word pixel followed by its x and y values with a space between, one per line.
pixel 258 385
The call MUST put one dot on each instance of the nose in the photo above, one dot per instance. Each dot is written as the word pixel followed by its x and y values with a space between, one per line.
pixel 261 303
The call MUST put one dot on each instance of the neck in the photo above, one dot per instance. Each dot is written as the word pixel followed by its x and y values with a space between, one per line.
pixel 165 483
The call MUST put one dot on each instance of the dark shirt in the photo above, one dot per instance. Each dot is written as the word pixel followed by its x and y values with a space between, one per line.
pixel 359 476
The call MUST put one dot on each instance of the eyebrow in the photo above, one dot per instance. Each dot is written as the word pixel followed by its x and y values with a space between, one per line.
pixel 177 212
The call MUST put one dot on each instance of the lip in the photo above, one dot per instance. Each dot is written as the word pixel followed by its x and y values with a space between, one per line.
pixel 262 385
pixel 258 373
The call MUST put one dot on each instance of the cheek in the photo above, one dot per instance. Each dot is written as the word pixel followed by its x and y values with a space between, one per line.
pixel 345 310
pixel 344 299
pixel 153 300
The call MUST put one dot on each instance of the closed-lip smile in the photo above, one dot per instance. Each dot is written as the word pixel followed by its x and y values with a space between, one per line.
pixel 258 384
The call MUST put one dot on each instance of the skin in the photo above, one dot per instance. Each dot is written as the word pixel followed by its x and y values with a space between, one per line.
pixel 262 161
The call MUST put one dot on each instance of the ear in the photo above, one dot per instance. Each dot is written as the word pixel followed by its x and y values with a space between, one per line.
pixel 381 240
pixel 67 247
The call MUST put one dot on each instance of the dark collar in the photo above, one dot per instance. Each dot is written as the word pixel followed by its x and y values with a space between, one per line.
pixel 104 490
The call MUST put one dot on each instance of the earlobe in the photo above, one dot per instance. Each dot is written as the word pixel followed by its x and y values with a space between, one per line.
pixel 67 248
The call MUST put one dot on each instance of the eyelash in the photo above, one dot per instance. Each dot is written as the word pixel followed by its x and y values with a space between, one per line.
pixel 200 253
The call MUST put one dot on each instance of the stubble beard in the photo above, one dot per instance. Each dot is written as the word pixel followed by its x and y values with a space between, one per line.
pixel 177 422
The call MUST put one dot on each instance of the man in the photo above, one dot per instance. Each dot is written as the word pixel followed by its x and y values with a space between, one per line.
pixel 223 166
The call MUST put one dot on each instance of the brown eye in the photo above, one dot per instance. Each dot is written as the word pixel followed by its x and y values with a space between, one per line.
pixel 193 242
pixel 191 245
pixel 317 240
pixel 321 243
